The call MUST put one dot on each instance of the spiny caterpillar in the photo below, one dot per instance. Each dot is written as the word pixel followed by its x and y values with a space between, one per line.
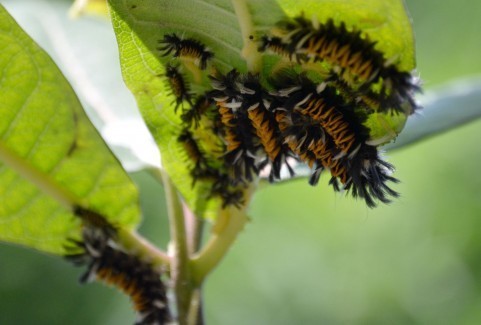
pixel 271 139
pixel 221 184
pixel 108 262
pixel 190 48
pixel 251 132
pixel 351 56
pixel 195 154
pixel 239 134
pixel 326 132
pixel 193 114
pixel 222 187
pixel 178 86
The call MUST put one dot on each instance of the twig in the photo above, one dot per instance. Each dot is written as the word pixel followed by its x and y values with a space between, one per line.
pixel 180 270
pixel 133 242
pixel 195 228
pixel 228 225
pixel 249 51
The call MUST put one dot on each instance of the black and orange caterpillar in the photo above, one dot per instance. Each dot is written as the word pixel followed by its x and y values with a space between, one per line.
pixel 178 86
pixel 238 133
pixel 191 48
pixel 108 262
pixel 351 55
pixel 221 184
pixel 326 132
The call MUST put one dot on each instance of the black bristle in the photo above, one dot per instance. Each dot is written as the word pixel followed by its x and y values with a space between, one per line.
pixel 178 86
pixel 189 47
pixel 108 262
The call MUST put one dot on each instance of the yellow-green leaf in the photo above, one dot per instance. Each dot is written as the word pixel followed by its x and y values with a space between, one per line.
pixel 44 132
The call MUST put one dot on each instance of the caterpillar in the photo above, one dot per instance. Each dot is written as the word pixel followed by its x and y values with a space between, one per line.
pixel 93 219
pixel 305 138
pixel 275 45
pixel 242 145
pixel 257 103
pixel 191 48
pixel 195 154
pixel 195 112
pixel 221 184
pixel 178 86
pixel 349 55
pixel 368 177
pixel 107 262
pixel 325 131
pixel 271 139
pixel 324 106
pixel 222 188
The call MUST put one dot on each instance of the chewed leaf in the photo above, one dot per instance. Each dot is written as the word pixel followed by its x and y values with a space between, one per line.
pixel 44 130
pixel 175 52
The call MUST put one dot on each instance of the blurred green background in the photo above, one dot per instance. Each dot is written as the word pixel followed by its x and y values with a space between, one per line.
pixel 310 256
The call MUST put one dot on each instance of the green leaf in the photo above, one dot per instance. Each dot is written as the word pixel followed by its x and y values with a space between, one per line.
pixel 229 29
pixel 48 145
pixel 94 75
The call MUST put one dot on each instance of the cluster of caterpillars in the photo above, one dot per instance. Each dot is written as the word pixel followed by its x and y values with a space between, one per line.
pixel 194 108
pixel 294 114
pixel 107 261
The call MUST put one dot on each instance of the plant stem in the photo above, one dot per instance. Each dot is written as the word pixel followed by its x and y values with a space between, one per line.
pixel 229 223
pixel 133 242
pixel 188 274
pixel 196 315
pixel 180 268
pixel 195 229
pixel 249 51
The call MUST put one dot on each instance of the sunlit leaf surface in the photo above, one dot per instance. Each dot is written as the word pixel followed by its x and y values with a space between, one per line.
pixel 45 128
